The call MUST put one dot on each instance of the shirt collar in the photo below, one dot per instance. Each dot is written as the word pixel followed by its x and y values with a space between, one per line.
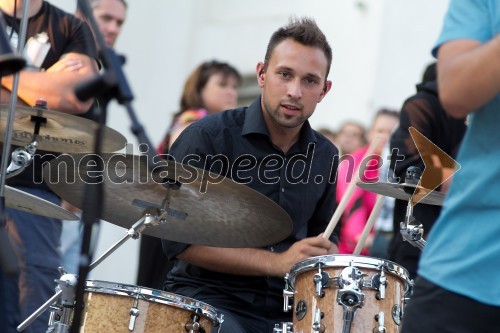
pixel 254 121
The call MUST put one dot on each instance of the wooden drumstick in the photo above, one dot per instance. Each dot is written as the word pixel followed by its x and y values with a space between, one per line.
pixel 369 224
pixel 350 190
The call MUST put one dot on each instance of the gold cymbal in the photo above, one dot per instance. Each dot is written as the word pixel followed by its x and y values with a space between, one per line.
pixel 403 191
pixel 218 213
pixel 27 202
pixel 59 132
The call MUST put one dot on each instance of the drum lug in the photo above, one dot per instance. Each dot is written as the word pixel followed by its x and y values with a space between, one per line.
pixel 287 297
pixel 195 326
pixel 134 313
pixel 321 280
pixel 317 326
pixel 380 283
pixel 287 294
pixel 380 317
pixel 285 327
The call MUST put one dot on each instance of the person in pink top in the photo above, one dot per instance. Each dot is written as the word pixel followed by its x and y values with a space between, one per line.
pixel 360 205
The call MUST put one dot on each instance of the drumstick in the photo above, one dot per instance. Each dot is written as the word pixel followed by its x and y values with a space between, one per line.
pixel 350 190
pixel 369 224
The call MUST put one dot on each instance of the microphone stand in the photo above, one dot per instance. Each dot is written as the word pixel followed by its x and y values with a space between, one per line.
pixel 111 84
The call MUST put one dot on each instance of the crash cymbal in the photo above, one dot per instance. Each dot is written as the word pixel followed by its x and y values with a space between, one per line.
pixel 404 191
pixel 202 209
pixel 30 203
pixel 59 132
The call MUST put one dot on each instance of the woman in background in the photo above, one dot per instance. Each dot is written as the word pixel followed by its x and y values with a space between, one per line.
pixel 210 88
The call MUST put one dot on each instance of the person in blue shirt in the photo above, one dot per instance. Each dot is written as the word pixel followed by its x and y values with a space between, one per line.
pixel 457 289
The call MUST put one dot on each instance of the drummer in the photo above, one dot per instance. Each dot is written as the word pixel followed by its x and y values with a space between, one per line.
pixel 53 77
pixel 271 147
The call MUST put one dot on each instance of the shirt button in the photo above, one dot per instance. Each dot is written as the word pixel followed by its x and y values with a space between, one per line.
pixel 282 189
pixel 272 249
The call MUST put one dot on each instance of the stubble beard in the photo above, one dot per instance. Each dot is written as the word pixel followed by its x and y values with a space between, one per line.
pixel 281 119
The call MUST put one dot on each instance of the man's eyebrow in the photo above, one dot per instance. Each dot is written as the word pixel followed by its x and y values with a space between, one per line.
pixel 289 69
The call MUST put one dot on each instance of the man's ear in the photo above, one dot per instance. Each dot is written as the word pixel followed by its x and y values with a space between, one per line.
pixel 326 88
pixel 261 73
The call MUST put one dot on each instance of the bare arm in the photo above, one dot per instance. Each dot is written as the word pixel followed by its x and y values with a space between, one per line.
pixel 256 262
pixel 468 74
pixel 57 84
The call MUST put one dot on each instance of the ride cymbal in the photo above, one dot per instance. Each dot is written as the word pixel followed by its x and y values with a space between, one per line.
pixel 59 132
pixel 404 191
pixel 199 207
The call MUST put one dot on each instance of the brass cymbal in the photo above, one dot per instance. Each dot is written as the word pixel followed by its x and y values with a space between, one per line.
pixel 30 203
pixel 398 191
pixel 59 132
pixel 217 213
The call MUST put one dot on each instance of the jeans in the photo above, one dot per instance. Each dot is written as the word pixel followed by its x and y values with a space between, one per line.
pixel 36 240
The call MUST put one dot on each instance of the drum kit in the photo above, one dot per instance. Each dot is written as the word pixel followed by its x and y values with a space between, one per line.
pixel 341 293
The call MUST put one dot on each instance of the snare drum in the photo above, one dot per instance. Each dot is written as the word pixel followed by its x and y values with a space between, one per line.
pixel 345 293
pixel 113 307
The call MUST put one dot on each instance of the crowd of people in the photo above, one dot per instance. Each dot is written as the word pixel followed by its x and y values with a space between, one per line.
pixel 454 106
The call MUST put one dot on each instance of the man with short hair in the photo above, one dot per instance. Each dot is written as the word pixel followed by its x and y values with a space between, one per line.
pixel 110 16
pixel 246 284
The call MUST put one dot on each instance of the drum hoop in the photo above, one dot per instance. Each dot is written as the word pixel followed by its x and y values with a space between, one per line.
pixel 153 295
pixel 345 260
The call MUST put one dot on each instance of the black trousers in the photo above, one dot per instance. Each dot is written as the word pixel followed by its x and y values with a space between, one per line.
pixel 433 309
pixel 153 263
pixel 248 319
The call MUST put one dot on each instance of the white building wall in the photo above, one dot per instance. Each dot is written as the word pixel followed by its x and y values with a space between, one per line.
pixel 380 48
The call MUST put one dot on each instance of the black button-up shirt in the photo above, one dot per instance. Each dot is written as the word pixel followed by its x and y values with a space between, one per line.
pixel 300 181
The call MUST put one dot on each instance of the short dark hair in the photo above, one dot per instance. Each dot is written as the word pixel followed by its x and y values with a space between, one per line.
pixel 94 3
pixel 304 31
pixel 385 112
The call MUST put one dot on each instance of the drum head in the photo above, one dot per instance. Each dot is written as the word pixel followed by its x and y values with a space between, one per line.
pixel 344 260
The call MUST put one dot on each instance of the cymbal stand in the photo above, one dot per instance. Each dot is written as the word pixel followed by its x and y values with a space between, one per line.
pixel 147 220
pixel 60 315
pixel 411 231
pixel 62 306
